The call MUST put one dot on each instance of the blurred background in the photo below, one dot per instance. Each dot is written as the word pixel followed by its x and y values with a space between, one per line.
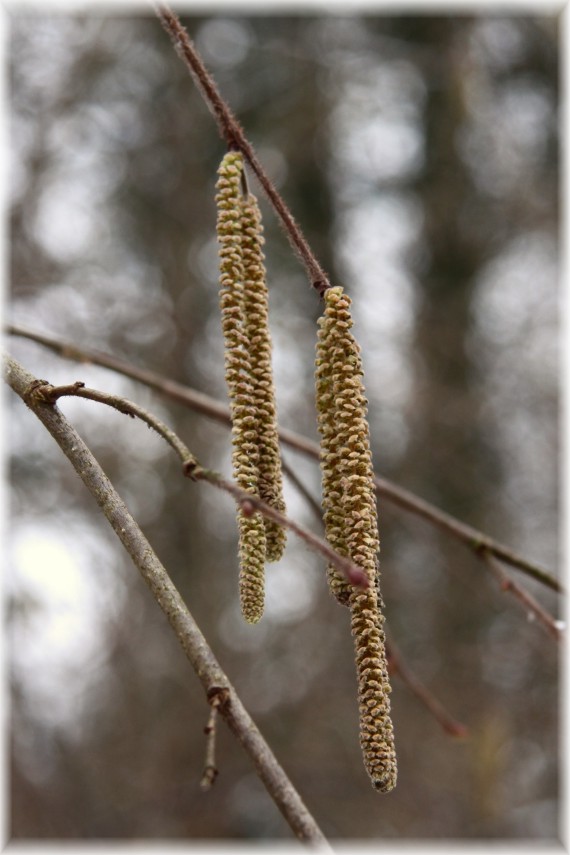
pixel 420 156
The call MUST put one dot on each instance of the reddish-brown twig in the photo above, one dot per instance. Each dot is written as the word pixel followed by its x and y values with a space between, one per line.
pixel 232 132
pixel 398 666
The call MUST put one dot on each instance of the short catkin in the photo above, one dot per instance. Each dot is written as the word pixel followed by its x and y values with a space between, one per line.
pixel 349 506
pixel 270 480
pixel 245 428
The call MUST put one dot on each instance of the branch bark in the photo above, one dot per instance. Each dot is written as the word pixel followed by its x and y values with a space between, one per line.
pixel 215 682
pixel 475 540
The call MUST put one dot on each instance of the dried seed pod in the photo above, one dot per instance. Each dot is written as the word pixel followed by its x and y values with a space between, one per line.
pixel 245 428
pixel 349 503
pixel 270 483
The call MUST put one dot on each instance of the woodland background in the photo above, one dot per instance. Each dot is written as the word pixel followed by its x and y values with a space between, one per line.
pixel 420 156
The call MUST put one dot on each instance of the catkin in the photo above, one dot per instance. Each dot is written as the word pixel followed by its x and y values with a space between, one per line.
pixel 349 506
pixel 245 429
pixel 270 480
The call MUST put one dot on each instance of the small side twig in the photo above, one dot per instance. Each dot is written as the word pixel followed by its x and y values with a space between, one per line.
pixel 210 768
pixel 531 606
pixel 399 667
pixel 300 487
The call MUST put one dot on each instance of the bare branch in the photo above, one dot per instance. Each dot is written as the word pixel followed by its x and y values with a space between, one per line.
pixel 195 646
pixel 473 539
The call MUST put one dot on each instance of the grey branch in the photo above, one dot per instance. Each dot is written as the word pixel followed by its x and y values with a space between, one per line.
pixel 196 648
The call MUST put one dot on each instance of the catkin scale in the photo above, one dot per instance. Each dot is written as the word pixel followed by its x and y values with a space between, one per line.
pixel 349 505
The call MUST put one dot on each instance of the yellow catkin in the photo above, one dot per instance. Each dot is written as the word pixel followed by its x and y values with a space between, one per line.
pixel 270 482
pixel 350 502
pixel 245 456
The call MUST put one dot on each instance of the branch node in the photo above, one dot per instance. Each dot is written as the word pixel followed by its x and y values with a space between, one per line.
pixel 190 468
pixel 218 697
pixel 320 286
pixel 39 392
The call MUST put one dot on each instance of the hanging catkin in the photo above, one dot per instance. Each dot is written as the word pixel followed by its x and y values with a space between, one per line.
pixel 270 483
pixel 245 427
pixel 351 524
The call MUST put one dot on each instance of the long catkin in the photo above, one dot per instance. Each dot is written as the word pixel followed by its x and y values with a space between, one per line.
pixel 352 526
pixel 245 457
pixel 270 480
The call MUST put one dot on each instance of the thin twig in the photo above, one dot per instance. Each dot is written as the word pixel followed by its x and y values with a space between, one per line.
pixel 232 132
pixel 527 601
pixel 301 488
pixel 475 540
pixel 195 646
pixel 398 666
pixel 41 391
pixel 210 769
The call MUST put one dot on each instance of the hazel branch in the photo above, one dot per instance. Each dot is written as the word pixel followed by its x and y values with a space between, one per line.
pixel 42 392
pixel 475 540
pixel 232 132
pixel 195 646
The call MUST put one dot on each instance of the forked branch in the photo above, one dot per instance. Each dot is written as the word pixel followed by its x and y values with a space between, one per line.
pixel 196 648
pixel 42 392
